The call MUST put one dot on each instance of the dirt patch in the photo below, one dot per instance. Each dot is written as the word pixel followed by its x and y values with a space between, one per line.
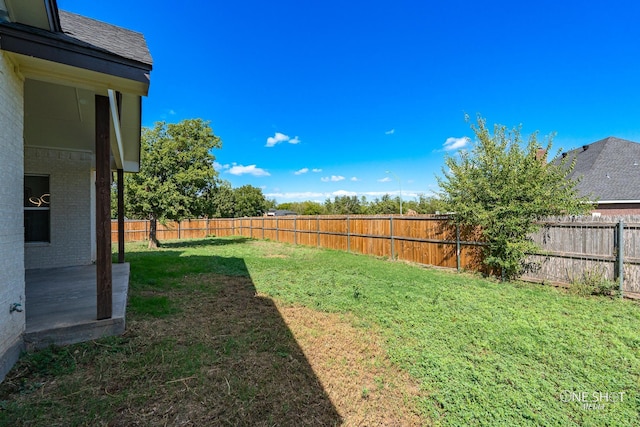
pixel 354 370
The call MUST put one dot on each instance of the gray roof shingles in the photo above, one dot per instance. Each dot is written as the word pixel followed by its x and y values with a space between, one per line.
pixel 110 38
pixel 609 169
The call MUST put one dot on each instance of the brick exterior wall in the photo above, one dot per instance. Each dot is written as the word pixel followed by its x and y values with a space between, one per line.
pixel 12 287
pixel 70 187
pixel 618 209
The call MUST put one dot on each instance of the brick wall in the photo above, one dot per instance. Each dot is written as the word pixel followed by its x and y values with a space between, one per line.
pixel 618 209
pixel 70 187
pixel 11 217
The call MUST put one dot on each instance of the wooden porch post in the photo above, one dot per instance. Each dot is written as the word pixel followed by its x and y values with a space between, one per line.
pixel 103 207
pixel 120 216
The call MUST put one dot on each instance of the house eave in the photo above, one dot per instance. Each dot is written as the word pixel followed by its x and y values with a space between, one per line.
pixel 610 202
pixel 55 72
pixel 30 42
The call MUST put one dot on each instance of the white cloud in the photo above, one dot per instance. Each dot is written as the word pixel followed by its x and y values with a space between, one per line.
pixel 316 170
pixel 354 179
pixel 320 197
pixel 452 143
pixel 303 195
pixel 248 170
pixel 219 166
pixel 344 193
pixel 301 171
pixel 385 179
pixel 332 178
pixel 405 193
pixel 167 112
pixel 390 132
pixel 278 137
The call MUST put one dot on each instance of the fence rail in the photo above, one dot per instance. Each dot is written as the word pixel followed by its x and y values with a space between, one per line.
pixel 570 247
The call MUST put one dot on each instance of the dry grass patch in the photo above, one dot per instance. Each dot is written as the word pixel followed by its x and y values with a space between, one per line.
pixel 354 370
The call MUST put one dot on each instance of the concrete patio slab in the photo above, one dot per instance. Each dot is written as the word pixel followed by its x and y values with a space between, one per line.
pixel 61 305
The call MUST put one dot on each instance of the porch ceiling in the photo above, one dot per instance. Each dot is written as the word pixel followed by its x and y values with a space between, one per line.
pixel 63 117
pixel 37 13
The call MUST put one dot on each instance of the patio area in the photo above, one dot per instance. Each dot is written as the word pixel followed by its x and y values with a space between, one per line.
pixel 61 305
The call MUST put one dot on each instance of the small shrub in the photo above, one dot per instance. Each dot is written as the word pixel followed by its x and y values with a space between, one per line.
pixel 593 282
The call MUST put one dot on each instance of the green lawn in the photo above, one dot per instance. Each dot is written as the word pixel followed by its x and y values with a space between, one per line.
pixel 483 352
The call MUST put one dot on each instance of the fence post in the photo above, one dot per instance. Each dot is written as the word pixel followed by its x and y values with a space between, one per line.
pixel 277 229
pixel 620 256
pixel 295 230
pixel 318 228
pixel 458 246
pixel 262 228
pixel 393 256
pixel 179 222
pixel 348 235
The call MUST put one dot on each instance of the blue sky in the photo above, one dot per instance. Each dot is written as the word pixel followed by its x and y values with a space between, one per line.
pixel 317 99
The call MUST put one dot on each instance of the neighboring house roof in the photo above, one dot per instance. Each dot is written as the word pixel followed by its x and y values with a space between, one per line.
pixel 609 170
pixel 109 38
pixel 280 212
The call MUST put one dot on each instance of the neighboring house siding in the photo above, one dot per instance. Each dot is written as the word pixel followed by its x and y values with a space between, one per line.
pixel 70 187
pixel 12 287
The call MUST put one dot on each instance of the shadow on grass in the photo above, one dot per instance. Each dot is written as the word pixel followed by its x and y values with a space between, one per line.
pixel 163 269
pixel 248 367
pixel 212 353
pixel 255 372
pixel 211 241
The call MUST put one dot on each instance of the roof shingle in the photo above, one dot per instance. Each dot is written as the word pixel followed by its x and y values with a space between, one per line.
pixel 110 38
pixel 609 169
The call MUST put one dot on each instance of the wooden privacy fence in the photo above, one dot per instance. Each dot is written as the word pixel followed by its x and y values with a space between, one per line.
pixel 571 247
pixel 577 247
pixel 428 240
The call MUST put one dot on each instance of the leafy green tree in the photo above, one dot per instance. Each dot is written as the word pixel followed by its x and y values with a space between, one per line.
pixel 343 205
pixel 249 201
pixel 289 206
pixel 328 206
pixel 311 208
pixel 221 201
pixel 504 186
pixel 425 205
pixel 385 205
pixel 270 204
pixel 176 173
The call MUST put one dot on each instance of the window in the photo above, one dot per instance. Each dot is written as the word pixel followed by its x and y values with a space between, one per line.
pixel 36 209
